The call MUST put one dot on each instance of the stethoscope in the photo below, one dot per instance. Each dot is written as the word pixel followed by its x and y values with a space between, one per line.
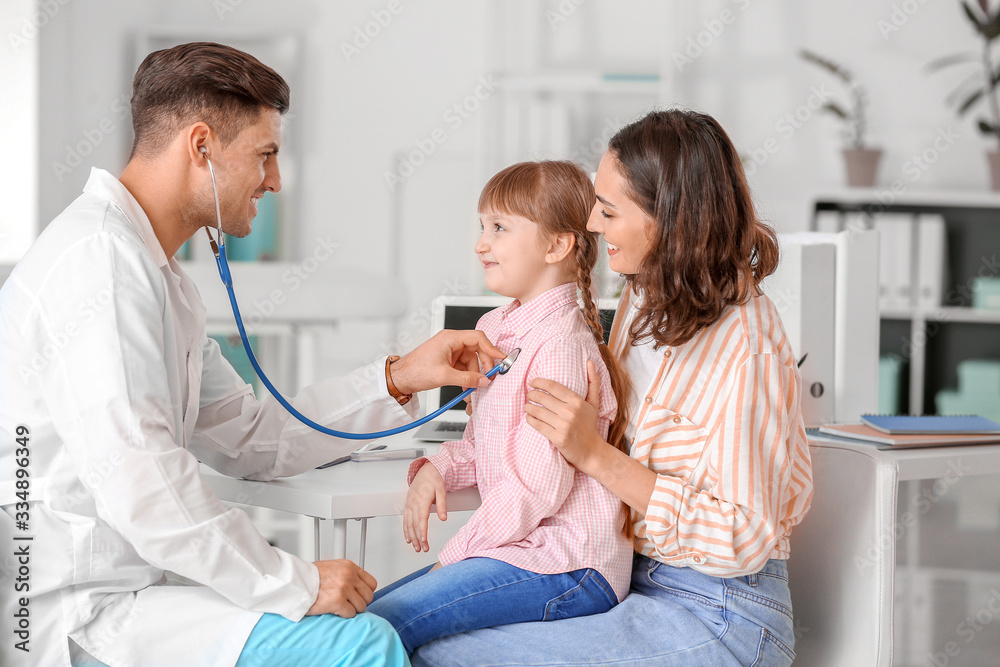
pixel 219 249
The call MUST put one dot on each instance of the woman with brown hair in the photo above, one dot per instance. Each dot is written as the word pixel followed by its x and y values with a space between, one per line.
pixel 718 470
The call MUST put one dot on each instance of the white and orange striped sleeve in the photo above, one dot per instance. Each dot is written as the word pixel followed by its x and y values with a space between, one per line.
pixel 732 527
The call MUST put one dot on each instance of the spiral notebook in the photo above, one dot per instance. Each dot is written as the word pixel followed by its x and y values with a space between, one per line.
pixel 932 424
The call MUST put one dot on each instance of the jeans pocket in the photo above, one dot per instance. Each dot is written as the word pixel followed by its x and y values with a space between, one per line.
pixel 591 595
pixel 772 652
pixel 682 593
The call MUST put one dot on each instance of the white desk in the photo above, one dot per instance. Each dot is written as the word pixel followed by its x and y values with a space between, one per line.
pixel 861 586
pixel 335 495
pixel 364 490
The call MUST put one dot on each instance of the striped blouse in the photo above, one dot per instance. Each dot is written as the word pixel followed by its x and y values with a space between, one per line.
pixel 720 424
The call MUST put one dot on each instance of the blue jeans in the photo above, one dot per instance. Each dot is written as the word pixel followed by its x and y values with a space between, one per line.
pixel 483 592
pixel 322 641
pixel 672 617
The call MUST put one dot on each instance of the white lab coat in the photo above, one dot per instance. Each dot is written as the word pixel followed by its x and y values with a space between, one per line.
pixel 104 357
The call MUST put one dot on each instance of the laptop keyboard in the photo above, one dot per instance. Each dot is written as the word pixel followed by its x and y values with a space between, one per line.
pixel 450 427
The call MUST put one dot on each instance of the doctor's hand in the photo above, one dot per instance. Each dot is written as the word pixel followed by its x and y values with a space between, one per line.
pixel 568 421
pixel 447 358
pixel 426 488
pixel 344 589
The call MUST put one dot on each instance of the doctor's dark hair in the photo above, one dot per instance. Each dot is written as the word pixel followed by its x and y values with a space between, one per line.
pixel 710 250
pixel 558 196
pixel 201 81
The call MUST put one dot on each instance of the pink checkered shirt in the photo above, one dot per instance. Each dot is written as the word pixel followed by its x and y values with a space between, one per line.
pixel 539 513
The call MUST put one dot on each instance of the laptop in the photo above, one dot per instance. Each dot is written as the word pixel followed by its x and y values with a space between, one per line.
pixel 463 312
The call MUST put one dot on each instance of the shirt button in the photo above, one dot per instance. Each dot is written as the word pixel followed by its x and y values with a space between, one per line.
pixel 520 332
pixel 698 559
pixel 649 399
pixel 666 355
pixel 677 420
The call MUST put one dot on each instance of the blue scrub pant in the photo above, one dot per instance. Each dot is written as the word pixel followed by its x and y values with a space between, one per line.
pixel 323 641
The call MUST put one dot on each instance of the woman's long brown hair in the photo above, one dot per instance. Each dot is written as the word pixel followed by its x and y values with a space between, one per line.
pixel 558 196
pixel 710 251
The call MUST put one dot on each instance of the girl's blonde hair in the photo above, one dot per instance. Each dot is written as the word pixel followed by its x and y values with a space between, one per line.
pixel 558 196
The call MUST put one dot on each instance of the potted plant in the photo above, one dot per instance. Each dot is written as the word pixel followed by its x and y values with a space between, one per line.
pixel 861 161
pixel 981 84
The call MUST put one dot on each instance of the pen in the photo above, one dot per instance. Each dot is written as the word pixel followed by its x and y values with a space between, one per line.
pixel 344 459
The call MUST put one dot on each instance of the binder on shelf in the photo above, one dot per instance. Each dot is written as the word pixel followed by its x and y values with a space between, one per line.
pixel 932 424
pixel 903 282
pixel 803 289
pixel 931 253
pixel 886 264
pixel 828 222
pixel 896 261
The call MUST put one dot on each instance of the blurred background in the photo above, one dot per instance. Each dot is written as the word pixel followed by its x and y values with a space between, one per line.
pixel 402 110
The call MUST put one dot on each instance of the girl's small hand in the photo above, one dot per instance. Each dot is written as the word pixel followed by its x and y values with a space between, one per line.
pixel 426 489
pixel 567 420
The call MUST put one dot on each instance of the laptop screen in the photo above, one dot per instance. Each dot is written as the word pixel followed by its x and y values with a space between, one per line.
pixel 466 316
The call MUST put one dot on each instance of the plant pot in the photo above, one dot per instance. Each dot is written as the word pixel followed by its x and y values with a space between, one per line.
pixel 994 158
pixel 862 166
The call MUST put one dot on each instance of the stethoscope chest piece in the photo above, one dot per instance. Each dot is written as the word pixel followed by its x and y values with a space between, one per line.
pixel 509 360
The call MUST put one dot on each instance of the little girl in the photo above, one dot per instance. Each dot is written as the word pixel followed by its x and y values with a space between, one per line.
pixel 548 542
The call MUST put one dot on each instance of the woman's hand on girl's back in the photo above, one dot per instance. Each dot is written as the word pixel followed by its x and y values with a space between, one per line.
pixel 427 488
pixel 568 421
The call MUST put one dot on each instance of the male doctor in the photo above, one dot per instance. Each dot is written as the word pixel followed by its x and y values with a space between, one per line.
pixel 110 394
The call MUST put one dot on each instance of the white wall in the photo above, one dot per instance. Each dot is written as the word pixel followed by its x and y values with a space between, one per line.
pixel 354 117
pixel 750 78
pixel 19 25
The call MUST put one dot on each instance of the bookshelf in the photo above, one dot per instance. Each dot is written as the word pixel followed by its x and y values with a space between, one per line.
pixel 932 339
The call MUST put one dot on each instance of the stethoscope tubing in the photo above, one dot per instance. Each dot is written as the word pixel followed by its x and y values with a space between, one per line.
pixel 224 271
pixel 219 248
